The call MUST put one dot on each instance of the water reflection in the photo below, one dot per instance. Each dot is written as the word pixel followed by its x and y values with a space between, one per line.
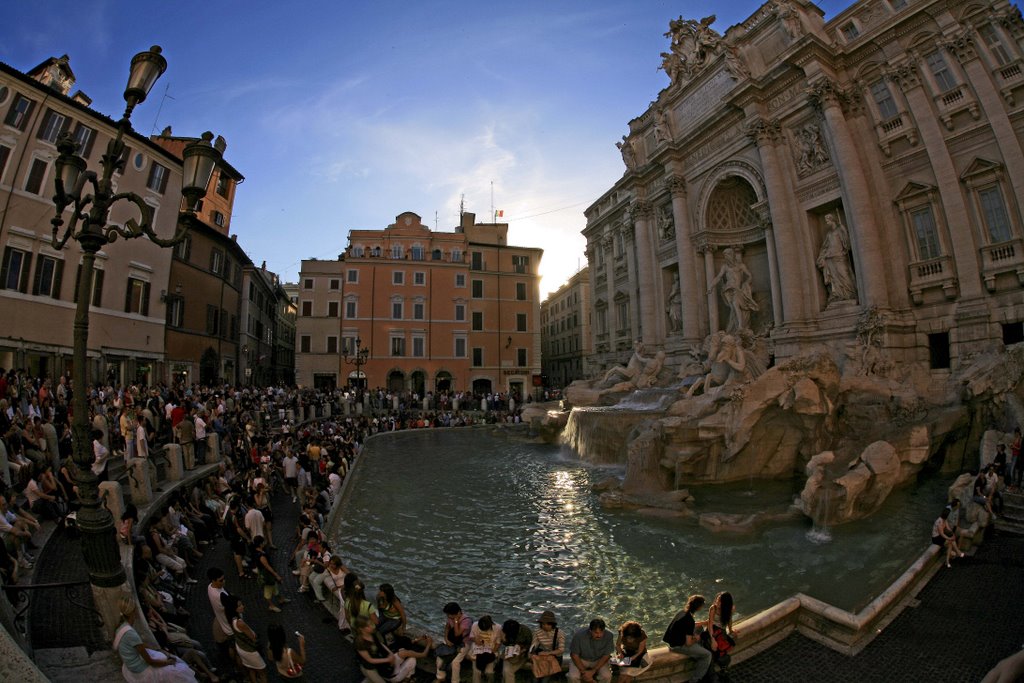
pixel 512 529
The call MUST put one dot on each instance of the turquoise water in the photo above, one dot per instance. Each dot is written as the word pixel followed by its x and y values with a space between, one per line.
pixel 511 529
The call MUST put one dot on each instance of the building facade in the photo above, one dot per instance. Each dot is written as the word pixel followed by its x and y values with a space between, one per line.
pixel 804 182
pixel 565 332
pixel 204 292
pixel 38 284
pixel 435 310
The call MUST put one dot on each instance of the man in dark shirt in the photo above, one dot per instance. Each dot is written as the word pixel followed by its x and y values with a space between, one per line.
pixel 681 637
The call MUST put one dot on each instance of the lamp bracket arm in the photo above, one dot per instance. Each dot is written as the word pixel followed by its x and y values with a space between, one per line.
pixel 132 228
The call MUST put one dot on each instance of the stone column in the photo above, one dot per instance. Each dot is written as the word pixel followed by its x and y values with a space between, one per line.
pixel 962 47
pixel 787 275
pixel 650 317
pixel 689 289
pixel 906 77
pixel 608 244
pixel 858 199
pixel 113 498
pixel 139 481
pixel 175 464
pixel 212 448
pixel 709 275
pixel 773 272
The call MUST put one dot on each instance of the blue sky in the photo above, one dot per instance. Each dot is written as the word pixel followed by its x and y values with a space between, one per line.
pixel 342 115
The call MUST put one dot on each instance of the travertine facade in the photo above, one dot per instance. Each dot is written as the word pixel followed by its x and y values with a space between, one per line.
pixel 823 183
pixel 565 331
pixel 436 310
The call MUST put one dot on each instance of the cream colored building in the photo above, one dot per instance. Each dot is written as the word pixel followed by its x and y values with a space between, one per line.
pixel 38 284
pixel 565 331
pixel 812 182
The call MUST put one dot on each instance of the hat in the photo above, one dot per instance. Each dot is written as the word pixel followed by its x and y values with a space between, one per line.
pixel 548 617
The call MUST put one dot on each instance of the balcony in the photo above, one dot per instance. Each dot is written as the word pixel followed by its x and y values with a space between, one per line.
pixel 892 129
pixel 933 273
pixel 1010 77
pixel 1001 258
pixel 953 102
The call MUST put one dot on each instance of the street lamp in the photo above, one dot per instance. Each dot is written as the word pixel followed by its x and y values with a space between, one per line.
pixel 358 359
pixel 87 224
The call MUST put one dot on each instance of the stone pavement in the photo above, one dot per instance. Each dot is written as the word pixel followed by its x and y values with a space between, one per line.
pixel 330 656
pixel 964 621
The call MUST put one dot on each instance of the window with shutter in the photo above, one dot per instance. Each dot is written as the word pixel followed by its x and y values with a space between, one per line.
pixel 52 126
pixel 157 180
pixel 20 112
pixel 36 174
pixel 5 154
pixel 14 272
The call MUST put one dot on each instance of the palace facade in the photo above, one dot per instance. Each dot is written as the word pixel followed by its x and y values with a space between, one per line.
pixel 804 182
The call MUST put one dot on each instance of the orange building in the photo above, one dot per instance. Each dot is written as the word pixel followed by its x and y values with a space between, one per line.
pixel 437 311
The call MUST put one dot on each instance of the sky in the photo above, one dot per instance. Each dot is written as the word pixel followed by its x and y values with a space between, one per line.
pixel 342 115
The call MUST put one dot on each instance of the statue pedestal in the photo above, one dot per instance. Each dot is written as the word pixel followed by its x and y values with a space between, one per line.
pixel 213 448
pixel 175 463
pixel 139 481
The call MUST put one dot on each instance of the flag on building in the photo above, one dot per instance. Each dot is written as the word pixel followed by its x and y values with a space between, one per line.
pixel 499 214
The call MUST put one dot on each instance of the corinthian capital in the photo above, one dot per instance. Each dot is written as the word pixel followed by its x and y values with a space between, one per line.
pixel 642 209
pixel 825 93
pixel 905 75
pixel 676 185
pixel 763 132
pixel 962 47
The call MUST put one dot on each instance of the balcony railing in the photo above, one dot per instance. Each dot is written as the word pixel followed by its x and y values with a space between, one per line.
pixel 934 273
pixel 1001 258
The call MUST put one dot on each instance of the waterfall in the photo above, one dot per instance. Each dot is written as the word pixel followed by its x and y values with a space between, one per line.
pixel 600 435
pixel 819 533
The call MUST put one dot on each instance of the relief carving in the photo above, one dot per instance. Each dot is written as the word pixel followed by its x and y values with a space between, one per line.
pixel 676 185
pixel 666 224
pixel 789 15
pixel 810 151
pixel 905 76
pixel 662 126
pixel 763 132
pixel 962 47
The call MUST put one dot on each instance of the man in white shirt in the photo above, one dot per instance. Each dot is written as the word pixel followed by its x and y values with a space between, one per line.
pixel 291 473
pixel 254 521
pixel 141 440
pixel 223 634
pixel 200 438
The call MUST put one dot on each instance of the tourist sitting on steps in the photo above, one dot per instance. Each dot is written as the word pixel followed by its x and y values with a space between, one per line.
pixel 943 536
pixel 590 652
pixel 548 646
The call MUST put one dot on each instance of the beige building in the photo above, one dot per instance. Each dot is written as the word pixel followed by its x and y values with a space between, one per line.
pixel 436 310
pixel 807 182
pixel 38 284
pixel 565 331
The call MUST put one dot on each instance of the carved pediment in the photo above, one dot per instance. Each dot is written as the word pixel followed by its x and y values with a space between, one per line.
pixel 981 167
pixel 912 191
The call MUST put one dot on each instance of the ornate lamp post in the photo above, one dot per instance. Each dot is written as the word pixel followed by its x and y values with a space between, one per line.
pixel 359 358
pixel 82 216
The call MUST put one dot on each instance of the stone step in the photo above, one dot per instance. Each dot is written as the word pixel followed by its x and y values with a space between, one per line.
pixel 75 664
pixel 1009 527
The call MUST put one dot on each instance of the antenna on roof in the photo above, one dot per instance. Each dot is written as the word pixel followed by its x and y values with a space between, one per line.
pixel 493 217
pixel 435 221
pixel 462 206
pixel 156 118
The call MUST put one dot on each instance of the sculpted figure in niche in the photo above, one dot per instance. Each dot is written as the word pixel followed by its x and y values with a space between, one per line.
pixel 628 153
pixel 735 281
pixel 666 224
pixel 675 305
pixel 834 261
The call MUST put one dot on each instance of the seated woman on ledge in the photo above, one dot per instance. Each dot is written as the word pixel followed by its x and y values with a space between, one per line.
pixel 943 536
pixel 631 651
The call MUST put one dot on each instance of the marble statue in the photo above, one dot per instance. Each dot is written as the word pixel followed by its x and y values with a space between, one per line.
pixel 628 372
pixel 726 364
pixel 735 281
pixel 673 65
pixel 662 127
pixel 834 261
pixel 628 153
pixel 674 307
pixel 790 17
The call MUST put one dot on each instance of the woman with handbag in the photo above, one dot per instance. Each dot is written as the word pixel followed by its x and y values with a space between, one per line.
pixel 289 662
pixel 719 629
pixel 246 645
pixel 547 648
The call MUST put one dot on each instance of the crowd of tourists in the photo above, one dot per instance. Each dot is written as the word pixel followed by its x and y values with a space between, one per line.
pixel 266 446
